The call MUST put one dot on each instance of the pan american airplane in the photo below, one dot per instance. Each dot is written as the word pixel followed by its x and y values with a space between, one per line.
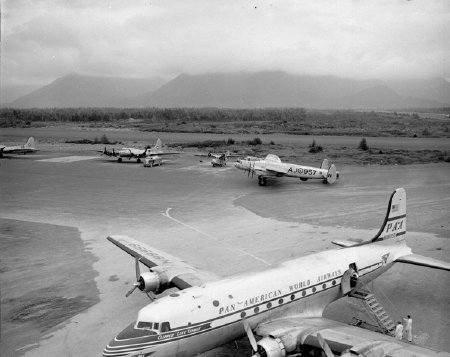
pixel 28 147
pixel 283 305
pixel 272 166
pixel 132 153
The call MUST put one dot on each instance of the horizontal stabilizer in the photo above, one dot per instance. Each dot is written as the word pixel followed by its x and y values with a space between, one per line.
pixel 424 261
pixel 345 243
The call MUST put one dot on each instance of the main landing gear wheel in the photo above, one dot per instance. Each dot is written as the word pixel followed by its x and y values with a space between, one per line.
pixel 119 159
pixel 262 181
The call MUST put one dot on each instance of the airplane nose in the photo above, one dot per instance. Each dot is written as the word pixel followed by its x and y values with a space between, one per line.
pixel 130 341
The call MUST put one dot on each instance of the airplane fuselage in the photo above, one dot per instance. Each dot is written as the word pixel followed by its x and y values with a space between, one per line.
pixel 217 161
pixel 130 152
pixel 197 319
pixel 16 150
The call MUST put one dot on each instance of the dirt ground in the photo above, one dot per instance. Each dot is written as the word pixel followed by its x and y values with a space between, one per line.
pixel 60 204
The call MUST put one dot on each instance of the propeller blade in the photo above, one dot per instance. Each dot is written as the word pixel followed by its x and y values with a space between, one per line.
pixel 135 285
pixel 324 346
pixel 138 271
pixel 250 335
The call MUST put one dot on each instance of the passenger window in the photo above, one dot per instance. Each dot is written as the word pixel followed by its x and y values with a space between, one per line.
pixel 156 326
pixel 165 326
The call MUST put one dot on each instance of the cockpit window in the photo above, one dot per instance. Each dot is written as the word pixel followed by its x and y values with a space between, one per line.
pixel 145 324
pixel 155 326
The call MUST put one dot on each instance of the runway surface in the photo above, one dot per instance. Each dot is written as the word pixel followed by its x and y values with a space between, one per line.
pixel 217 219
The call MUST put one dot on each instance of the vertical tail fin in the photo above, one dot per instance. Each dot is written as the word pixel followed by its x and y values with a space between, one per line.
pixel 394 224
pixel 29 143
pixel 331 175
pixel 158 145
pixel 325 164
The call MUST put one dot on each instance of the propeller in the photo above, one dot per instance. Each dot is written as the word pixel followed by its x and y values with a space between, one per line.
pixel 250 336
pixel 324 345
pixel 140 283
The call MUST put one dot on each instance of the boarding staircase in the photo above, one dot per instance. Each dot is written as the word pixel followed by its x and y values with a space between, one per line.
pixel 375 310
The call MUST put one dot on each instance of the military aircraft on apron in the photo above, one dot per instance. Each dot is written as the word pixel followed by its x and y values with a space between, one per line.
pixel 218 159
pixel 132 153
pixel 28 147
pixel 282 305
pixel 272 167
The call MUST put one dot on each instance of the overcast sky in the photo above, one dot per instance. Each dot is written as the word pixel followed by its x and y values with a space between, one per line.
pixel 46 39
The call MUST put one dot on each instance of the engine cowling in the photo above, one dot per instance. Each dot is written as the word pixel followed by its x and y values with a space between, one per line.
pixel 271 347
pixel 153 281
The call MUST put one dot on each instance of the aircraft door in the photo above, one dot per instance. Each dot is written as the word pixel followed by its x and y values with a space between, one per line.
pixel 349 279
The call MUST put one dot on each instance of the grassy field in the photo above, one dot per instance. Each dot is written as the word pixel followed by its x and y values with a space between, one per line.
pixel 337 154
pixel 295 121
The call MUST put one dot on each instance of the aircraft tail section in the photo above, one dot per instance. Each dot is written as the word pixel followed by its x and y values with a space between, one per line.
pixel 394 225
pixel 158 145
pixel 30 143
pixel 332 174
pixel 325 164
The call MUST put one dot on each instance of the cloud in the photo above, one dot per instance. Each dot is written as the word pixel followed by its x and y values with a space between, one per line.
pixel 45 39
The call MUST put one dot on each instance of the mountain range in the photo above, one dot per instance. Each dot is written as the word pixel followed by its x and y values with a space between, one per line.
pixel 239 90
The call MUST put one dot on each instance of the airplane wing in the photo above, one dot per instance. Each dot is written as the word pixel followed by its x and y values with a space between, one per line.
pixel 274 167
pixel 340 337
pixel 180 274
pixel 165 153
pixel 106 152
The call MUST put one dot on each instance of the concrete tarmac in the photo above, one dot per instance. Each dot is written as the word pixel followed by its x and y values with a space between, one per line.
pixel 217 219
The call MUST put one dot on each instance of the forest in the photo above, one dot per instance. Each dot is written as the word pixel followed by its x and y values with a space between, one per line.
pixel 245 121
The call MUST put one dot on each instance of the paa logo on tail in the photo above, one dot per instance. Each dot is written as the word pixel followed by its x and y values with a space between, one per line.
pixel 394 224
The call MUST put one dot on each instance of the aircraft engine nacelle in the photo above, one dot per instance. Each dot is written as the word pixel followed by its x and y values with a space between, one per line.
pixel 154 282
pixel 271 347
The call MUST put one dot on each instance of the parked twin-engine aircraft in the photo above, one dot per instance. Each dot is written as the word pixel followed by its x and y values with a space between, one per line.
pixel 138 154
pixel 283 305
pixel 19 149
pixel 219 159
pixel 272 166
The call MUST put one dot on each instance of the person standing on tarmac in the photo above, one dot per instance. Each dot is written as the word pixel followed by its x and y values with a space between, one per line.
pixel 399 331
pixel 408 328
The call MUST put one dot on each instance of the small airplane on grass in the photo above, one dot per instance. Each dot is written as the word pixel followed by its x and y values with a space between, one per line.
pixel 283 305
pixel 152 154
pixel 219 159
pixel 28 147
pixel 272 166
